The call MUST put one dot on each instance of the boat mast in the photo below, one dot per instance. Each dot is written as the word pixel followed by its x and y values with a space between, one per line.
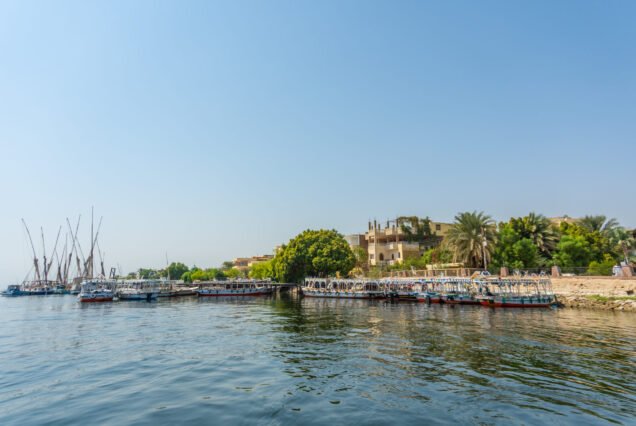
pixel 35 258
pixel 92 244
pixel 101 259
pixel 43 254
pixel 54 252
pixel 74 238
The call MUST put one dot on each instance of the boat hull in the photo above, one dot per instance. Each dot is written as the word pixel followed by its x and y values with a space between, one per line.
pixel 429 298
pixel 96 299
pixel 459 299
pixel 403 297
pixel 221 293
pixel 343 295
pixel 138 297
pixel 517 302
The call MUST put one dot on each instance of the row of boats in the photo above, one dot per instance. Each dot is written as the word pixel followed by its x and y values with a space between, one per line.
pixel 104 291
pixel 482 289
pixel 107 290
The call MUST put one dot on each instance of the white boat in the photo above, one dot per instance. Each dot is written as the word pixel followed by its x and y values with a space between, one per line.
pixel 401 289
pixel 343 288
pixel 96 291
pixel 139 290
pixel 515 292
pixel 234 288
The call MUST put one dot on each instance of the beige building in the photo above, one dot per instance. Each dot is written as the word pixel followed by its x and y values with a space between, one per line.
pixel 245 263
pixel 388 245
pixel 557 221
pixel 357 241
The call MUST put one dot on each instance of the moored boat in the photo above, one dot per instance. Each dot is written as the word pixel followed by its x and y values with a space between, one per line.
pixel 96 291
pixel 515 292
pixel 13 291
pixel 343 288
pixel 401 290
pixel 234 288
pixel 138 290
pixel 457 291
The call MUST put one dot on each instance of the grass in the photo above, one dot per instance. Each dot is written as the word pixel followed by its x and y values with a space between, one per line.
pixel 604 299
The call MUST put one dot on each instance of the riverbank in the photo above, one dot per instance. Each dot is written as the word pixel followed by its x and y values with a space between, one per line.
pixel 607 293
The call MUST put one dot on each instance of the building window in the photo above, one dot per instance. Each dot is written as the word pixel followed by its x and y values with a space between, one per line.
pixel 392 256
pixel 438 227
pixel 398 254
pixel 381 257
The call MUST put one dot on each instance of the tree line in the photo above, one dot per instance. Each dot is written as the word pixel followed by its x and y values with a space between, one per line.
pixel 593 243
pixel 180 271
pixel 533 241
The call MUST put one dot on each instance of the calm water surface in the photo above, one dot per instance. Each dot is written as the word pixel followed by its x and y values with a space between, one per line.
pixel 284 360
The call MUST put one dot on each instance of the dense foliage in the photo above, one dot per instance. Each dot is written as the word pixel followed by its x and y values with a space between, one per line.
pixel 313 253
pixel 594 243
pixel 472 238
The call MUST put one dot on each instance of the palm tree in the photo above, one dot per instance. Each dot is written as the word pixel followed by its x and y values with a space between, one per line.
pixel 471 238
pixel 623 241
pixel 599 223
pixel 537 228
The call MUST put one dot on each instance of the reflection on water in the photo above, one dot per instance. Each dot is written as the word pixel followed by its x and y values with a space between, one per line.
pixel 312 361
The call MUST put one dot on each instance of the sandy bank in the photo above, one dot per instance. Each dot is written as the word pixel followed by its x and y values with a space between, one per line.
pixel 596 292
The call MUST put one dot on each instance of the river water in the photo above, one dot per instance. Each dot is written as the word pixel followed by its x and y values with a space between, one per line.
pixel 286 360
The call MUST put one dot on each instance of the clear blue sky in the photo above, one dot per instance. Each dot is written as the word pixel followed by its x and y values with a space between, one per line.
pixel 211 130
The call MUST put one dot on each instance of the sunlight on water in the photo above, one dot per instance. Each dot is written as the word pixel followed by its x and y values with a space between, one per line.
pixel 311 361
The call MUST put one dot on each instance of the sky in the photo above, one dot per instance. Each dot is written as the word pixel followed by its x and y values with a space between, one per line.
pixel 205 131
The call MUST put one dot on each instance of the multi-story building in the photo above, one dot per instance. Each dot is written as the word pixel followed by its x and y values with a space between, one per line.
pixel 357 241
pixel 245 263
pixel 390 244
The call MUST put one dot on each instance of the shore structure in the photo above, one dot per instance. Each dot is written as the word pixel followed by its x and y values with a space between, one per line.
pixel 343 288
pixel 481 289
pixel 607 293
pixel 234 288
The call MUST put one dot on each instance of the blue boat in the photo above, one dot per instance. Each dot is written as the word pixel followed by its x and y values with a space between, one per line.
pixel 13 291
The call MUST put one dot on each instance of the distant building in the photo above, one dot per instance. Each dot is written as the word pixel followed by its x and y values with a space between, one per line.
pixel 357 241
pixel 245 263
pixel 557 221
pixel 389 245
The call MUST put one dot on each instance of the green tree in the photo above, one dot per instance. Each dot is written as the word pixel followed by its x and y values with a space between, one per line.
pixel 362 257
pixel 233 273
pixel 602 268
pixel 175 270
pixel 573 251
pixel 598 241
pixel 313 253
pixel 471 238
pixel 262 270
pixel 599 223
pixel 437 255
pixel 415 229
pixel 514 249
pixel 199 275
pixel 538 229
pixel 622 241
pixel 526 254
pixel 228 264
pixel 146 273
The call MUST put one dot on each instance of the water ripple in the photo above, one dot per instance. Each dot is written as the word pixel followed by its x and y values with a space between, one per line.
pixel 284 360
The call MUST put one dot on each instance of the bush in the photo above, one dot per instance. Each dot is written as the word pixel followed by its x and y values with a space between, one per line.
pixel 601 268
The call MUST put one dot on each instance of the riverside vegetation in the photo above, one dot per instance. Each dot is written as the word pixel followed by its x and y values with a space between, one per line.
pixel 592 245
